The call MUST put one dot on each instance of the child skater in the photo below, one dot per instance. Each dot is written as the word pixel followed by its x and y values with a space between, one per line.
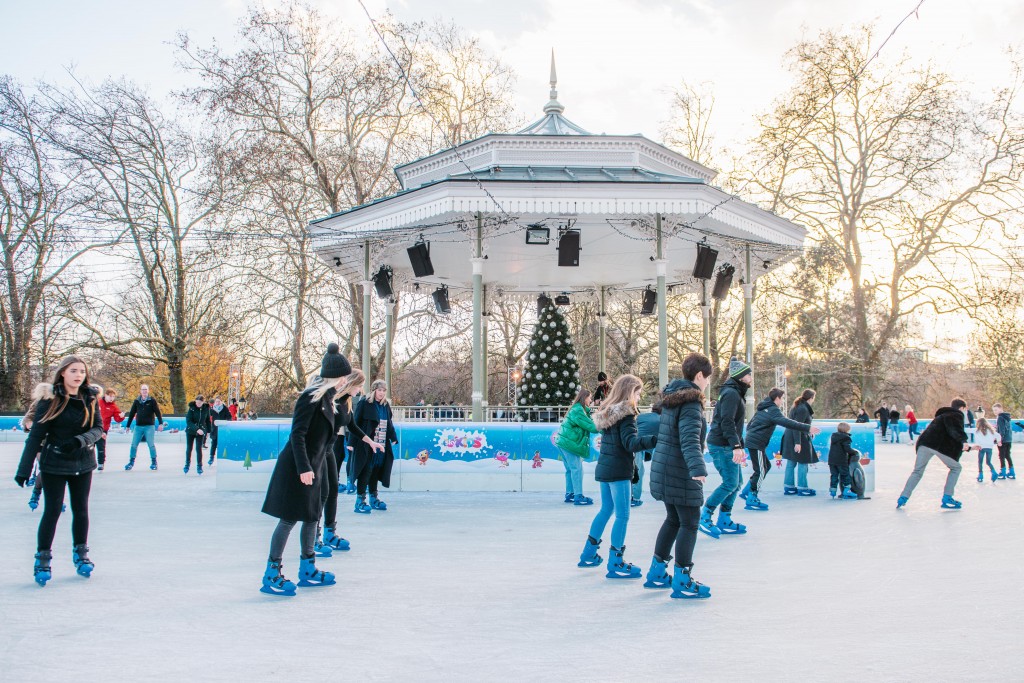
pixel 109 412
pixel 68 420
pixel 295 493
pixel 677 478
pixel 840 451
pixel 1005 430
pixel 619 441
pixel 573 442
pixel 985 440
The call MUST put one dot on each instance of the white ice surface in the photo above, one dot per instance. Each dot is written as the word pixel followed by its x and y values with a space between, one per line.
pixel 484 587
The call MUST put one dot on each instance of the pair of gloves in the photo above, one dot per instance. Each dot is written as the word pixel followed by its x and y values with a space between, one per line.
pixel 66 447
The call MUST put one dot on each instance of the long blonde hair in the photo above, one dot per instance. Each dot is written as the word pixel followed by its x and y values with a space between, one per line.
pixel 622 393
pixel 357 377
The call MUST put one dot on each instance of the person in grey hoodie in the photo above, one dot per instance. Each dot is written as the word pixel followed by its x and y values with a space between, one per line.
pixel 760 429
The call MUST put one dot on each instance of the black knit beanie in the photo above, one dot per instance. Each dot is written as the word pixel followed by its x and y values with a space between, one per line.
pixel 335 364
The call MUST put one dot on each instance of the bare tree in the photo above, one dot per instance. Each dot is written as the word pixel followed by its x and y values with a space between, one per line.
pixel 688 128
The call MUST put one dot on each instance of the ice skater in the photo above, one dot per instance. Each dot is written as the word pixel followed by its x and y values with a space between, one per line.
pixel 840 451
pixel 945 439
pixel 573 442
pixel 197 426
pixel 986 439
pixel 760 429
pixel 218 413
pixel 725 443
pixel 677 478
pixel 295 493
pixel 619 441
pixel 145 412
pixel 797 448
pixel 65 428
pixel 109 412
pixel 1005 429
pixel 372 466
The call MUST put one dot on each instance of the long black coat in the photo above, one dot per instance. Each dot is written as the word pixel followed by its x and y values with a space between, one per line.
pixel 306 451
pixel 801 412
pixel 364 417
pixel 679 455
pixel 64 444
pixel 619 441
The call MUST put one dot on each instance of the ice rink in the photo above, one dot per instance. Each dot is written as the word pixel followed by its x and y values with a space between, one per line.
pixel 484 587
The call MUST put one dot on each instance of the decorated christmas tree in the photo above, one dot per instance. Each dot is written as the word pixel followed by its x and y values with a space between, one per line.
pixel 552 376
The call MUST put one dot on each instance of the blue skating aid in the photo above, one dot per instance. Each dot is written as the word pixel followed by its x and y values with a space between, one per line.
pixel 83 565
pixel 657 575
pixel 589 556
pixel 618 569
pixel 309 575
pixel 274 582
pixel 683 585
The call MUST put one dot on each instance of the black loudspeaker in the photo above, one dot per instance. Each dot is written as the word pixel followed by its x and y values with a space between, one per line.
pixel 419 256
pixel 382 282
pixel 650 301
pixel 562 300
pixel 569 248
pixel 723 282
pixel 441 300
pixel 542 301
pixel 704 266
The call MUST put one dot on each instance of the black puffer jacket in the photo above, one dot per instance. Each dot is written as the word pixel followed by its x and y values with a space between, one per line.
pixel 679 455
pixel 197 417
pixel 730 413
pixel 762 426
pixel 64 444
pixel 945 433
pixel 840 449
pixel 801 412
pixel 619 441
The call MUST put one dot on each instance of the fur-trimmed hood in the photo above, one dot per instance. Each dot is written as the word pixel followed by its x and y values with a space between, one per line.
pixel 611 415
pixel 681 391
pixel 42 391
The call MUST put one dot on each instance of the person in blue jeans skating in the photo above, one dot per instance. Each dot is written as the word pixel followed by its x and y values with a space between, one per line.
pixel 725 443
pixel 145 413
pixel 619 441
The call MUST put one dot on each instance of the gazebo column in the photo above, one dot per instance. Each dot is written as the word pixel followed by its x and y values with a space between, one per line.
pixel 478 309
pixel 367 321
pixel 602 331
pixel 748 325
pixel 483 355
pixel 662 269
pixel 705 315
pixel 389 341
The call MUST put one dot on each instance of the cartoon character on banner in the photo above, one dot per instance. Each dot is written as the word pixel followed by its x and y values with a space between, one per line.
pixel 537 462
pixel 502 458
pixel 423 456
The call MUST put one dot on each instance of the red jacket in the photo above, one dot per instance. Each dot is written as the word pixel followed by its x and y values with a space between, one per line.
pixel 109 411
pixel 233 409
pixel 911 418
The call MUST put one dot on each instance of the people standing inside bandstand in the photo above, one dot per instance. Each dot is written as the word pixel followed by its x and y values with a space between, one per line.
pixel 573 442
pixel 797 448
pixel 371 467
pixel 677 478
pixel 944 438
pixel 619 441
pixel 725 443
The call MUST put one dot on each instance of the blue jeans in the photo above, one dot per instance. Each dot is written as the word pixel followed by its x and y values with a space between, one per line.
pixel 614 497
pixel 150 434
pixel 732 479
pixel 985 455
pixel 638 488
pixel 801 474
pixel 894 432
pixel 573 472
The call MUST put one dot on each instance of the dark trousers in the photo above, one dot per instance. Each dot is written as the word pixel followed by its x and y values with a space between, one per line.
pixel 761 463
pixel 279 539
pixel 680 525
pixel 213 444
pixel 885 426
pixel 370 476
pixel 840 475
pixel 78 486
pixel 198 440
pixel 101 449
pixel 331 505
pixel 1004 455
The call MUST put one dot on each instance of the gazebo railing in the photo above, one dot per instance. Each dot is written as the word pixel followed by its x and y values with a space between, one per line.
pixel 464 413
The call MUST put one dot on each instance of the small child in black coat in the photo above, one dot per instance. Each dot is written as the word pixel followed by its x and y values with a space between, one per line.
pixel 839 451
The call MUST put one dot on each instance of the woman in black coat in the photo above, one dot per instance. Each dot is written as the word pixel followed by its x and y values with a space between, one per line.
pixel 65 428
pixel 197 426
pixel 619 441
pixel 797 448
pixel 371 466
pixel 677 477
pixel 295 493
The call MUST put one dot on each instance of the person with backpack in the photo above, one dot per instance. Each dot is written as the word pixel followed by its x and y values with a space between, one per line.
pixel 797 448
pixel 65 428
pixel 619 441
pixel 725 443
pixel 840 451
pixel 944 438
pixel 678 473
pixel 146 413
pixel 573 442
pixel 197 426
pixel 760 429
pixel 1005 429
pixel 109 412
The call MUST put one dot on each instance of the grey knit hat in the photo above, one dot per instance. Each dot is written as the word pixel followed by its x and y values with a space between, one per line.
pixel 334 364
pixel 738 368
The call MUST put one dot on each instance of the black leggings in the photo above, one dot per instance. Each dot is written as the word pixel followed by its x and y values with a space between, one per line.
pixel 280 539
pixel 331 506
pixel 761 463
pixel 213 444
pixel 198 440
pixel 1004 455
pixel 101 449
pixel 370 476
pixel 78 486
pixel 680 525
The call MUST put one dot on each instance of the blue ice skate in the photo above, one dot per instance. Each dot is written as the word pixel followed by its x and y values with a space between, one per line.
pixel 683 585
pixel 726 524
pixel 755 503
pixel 361 506
pixel 321 550
pixel 83 565
pixel 334 541
pixel 41 570
pixel 1010 474
pixel 152 464
pixel 746 491
pixel 274 582
pixel 617 568
pixel 589 556
pixel 950 504
pixel 706 525
pixel 309 575
pixel 131 464
pixel 580 499
pixel 806 492
pixel 569 497
pixel 33 500
pixel 635 502
pixel 901 501
pixel 376 503
pixel 848 494
pixel 657 575
pixel 790 490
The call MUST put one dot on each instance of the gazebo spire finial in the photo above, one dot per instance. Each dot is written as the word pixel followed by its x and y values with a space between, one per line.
pixel 553 106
